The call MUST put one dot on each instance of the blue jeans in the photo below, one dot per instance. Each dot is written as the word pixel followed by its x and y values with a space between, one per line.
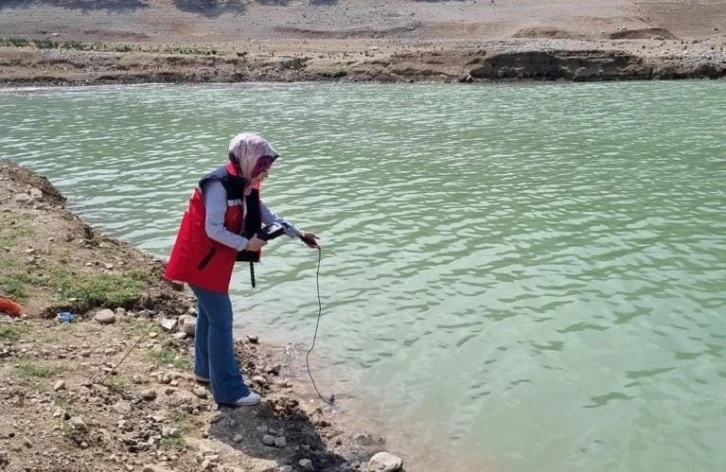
pixel 214 357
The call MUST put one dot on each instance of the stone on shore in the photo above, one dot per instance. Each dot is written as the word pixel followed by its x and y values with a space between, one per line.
pixel 385 462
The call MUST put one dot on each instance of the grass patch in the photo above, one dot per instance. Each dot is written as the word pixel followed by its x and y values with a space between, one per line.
pixel 165 356
pixel 173 442
pixel 182 419
pixel 11 331
pixel 19 227
pixel 139 327
pixel 36 375
pixel 107 290
pixel 15 285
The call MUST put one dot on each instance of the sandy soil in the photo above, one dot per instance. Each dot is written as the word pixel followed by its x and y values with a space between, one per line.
pixel 390 40
pixel 70 399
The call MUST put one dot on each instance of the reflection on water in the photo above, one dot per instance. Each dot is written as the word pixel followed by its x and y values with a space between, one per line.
pixel 532 276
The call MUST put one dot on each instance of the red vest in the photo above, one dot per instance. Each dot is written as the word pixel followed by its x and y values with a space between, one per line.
pixel 195 258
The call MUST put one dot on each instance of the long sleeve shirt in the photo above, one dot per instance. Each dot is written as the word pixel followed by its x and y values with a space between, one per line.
pixel 215 204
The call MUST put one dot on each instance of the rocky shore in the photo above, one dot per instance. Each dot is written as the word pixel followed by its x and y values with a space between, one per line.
pixel 511 60
pixel 110 386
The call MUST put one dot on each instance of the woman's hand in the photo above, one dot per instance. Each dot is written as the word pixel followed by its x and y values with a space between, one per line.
pixel 310 239
pixel 255 244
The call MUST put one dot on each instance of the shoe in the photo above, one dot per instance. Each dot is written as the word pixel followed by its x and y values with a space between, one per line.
pixel 251 399
pixel 201 380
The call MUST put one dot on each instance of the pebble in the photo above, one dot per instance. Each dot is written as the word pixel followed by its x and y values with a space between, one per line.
pixel 105 316
pixel 306 464
pixel 148 395
pixel 78 424
pixel 59 385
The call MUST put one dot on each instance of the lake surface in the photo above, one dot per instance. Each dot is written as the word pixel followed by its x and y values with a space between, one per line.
pixel 531 276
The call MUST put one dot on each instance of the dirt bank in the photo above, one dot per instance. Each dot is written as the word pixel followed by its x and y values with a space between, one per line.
pixel 48 42
pixel 71 402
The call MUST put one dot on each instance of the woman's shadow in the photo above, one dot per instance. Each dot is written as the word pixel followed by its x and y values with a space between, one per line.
pixel 279 430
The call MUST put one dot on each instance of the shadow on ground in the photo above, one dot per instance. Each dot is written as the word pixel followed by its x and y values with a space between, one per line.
pixel 278 430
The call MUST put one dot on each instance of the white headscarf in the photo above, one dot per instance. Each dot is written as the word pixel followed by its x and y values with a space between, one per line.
pixel 246 149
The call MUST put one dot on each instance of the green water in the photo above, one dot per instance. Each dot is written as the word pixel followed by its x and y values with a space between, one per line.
pixel 531 277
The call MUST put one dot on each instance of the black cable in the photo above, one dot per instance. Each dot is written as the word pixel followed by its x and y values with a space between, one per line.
pixel 320 312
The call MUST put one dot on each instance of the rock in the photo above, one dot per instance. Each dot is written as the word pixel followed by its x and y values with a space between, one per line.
pixel 180 335
pixel 105 317
pixel 280 442
pixel 200 392
pixel 253 339
pixel 306 464
pixel 168 431
pixel 120 311
pixel 4 460
pixel 168 324
pixel 238 438
pixel 78 424
pixel 218 417
pixel 286 468
pixel 154 468
pixel 59 385
pixel 122 408
pixel 268 440
pixel 384 462
pixel 274 370
pixel 148 395
pixel 188 324
pixel 137 379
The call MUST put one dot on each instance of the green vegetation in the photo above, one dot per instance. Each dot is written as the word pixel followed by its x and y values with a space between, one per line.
pixel 14 230
pixel 12 332
pixel 30 370
pixel 165 356
pixel 91 290
pixel 34 374
pixel 140 327
pixel 85 290
pixel 173 442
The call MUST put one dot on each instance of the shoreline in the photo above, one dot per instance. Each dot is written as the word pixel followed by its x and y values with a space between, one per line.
pixel 74 401
pixel 79 42
pixel 463 62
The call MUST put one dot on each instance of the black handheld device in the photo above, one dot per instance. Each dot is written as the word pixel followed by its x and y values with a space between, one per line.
pixel 270 232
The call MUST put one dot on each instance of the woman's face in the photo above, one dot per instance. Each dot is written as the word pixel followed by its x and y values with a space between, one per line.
pixel 260 177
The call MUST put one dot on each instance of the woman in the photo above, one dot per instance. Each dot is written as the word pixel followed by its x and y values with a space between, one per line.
pixel 224 214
